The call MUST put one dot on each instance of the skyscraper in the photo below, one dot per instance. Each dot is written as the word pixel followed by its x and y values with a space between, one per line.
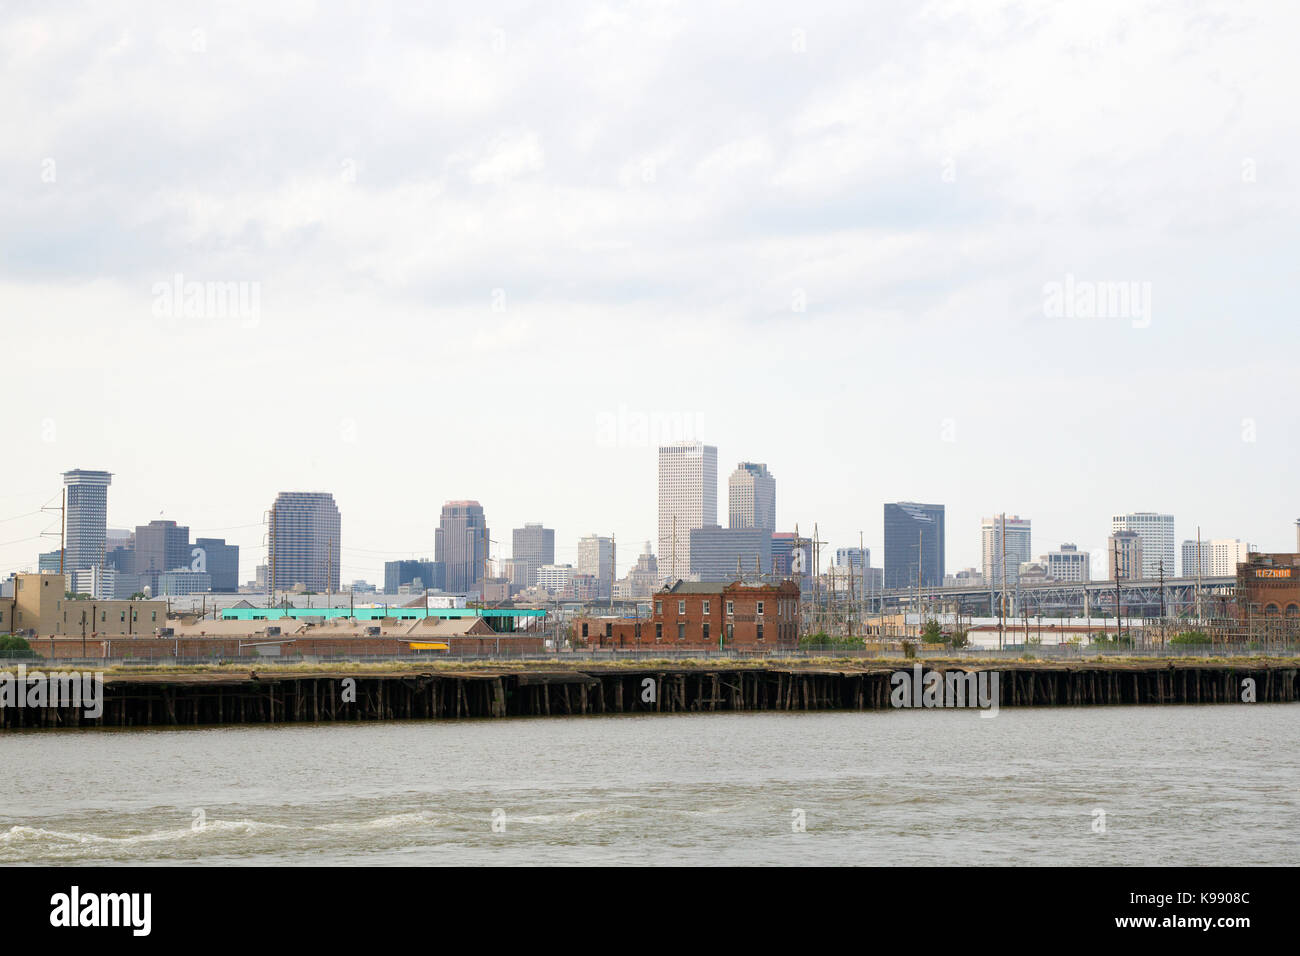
pixel 1018 548
pixel 730 554
pixel 86 518
pixel 161 546
pixel 596 557
pixel 1124 556
pixel 404 573
pixel 751 497
pixel 462 544
pixel 304 541
pixel 1218 557
pixel 1068 564
pixel 1157 534
pixel 221 561
pixel 688 499
pixel 913 538
pixel 534 546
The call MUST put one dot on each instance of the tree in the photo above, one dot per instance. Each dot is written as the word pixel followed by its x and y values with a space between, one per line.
pixel 14 645
pixel 933 634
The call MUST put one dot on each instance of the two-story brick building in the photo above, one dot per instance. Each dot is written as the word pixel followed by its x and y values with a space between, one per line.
pixel 705 614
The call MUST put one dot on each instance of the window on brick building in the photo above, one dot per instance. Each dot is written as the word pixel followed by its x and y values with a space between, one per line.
pixel 659 632
pixel 681 607
pixel 731 607
pixel 706 607
pixel 659 607
pixel 681 632
pixel 760 632
pixel 760 607
pixel 706 631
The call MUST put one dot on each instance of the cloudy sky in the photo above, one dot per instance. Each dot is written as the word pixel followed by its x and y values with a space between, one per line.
pixel 498 251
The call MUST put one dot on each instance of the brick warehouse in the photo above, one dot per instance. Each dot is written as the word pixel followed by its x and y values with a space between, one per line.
pixel 704 615
pixel 1268 594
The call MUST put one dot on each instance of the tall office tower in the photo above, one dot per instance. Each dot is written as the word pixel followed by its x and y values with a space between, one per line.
pixel 688 499
pixel 1068 564
pixel 161 546
pixel 596 557
pixel 304 541
pixel 1219 557
pixel 86 518
pixel 913 537
pixel 1017 547
pixel 789 551
pixel 1124 556
pixel 751 496
pixel 534 546
pixel 221 561
pixel 463 544
pixel 399 574
pixel 1157 534
pixel 119 550
pixel 730 554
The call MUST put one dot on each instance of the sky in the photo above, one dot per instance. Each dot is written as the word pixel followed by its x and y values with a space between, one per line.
pixel 499 250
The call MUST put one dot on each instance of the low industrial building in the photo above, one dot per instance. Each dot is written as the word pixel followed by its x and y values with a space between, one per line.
pixel 703 615
pixel 41 608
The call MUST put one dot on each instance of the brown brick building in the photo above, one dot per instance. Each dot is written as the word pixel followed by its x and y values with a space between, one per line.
pixel 705 615
pixel 1268 593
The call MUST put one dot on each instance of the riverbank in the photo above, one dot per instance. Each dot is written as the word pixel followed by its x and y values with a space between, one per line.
pixel 217 695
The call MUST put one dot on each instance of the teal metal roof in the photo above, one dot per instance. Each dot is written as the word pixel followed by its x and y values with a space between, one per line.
pixel 374 613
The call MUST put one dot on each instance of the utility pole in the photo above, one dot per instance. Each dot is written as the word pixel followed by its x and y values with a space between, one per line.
pixel 1199 613
pixel 1117 573
pixel 673 565
pixel 270 581
pixel 1002 533
pixel 63 536
pixel 1162 601
pixel 920 561
pixel 817 571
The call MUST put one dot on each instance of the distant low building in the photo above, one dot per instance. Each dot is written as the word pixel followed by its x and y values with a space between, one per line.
pixel 181 582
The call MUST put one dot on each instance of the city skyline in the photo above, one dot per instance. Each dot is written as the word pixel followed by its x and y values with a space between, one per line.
pixel 362 562
pixel 761 261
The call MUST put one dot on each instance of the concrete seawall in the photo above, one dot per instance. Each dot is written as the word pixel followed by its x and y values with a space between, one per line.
pixel 215 698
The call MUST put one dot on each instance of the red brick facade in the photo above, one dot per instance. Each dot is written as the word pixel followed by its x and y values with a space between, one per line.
pixel 705 616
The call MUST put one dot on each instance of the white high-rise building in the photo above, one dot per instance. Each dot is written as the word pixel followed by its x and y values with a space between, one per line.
pixel 1157 534
pixel 1219 557
pixel 1018 550
pixel 751 497
pixel 688 499
pixel 1067 564
pixel 86 519
pixel 596 557
pixel 554 577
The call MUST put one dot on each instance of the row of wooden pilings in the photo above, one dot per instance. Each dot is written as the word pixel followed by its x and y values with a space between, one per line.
pixel 151 701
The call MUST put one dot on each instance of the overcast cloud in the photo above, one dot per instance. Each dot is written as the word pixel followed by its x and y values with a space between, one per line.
pixel 491 242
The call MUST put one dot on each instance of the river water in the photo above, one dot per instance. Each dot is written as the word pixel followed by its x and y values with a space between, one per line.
pixel 1177 785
